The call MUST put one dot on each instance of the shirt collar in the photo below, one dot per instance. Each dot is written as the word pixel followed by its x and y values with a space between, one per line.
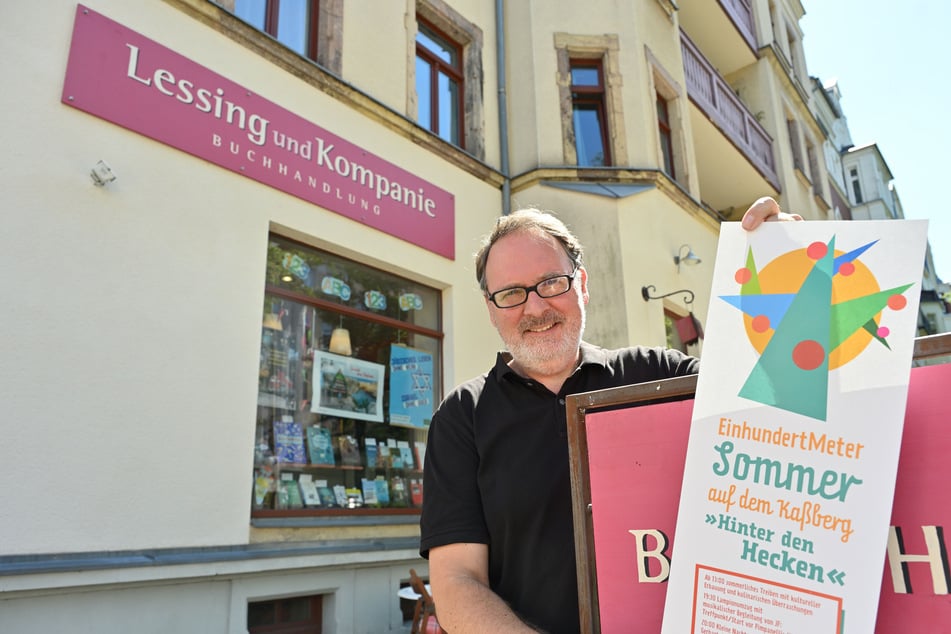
pixel 590 354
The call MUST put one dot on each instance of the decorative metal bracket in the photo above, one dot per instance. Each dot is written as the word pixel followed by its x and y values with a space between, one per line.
pixel 646 294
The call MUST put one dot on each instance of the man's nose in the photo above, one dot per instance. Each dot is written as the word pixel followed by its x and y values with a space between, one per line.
pixel 535 303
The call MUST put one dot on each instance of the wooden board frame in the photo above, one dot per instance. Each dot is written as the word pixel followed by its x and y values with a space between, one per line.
pixel 578 405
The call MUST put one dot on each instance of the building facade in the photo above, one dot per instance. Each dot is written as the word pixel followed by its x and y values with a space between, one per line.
pixel 237 267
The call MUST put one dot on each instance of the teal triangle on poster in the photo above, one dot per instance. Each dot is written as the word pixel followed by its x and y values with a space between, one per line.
pixel 792 373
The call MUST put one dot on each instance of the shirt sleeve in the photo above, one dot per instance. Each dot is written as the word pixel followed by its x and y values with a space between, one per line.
pixel 452 507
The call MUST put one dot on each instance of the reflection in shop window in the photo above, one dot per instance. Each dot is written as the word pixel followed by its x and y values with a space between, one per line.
pixel 348 378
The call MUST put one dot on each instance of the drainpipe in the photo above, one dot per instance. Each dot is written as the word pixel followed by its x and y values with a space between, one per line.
pixel 503 108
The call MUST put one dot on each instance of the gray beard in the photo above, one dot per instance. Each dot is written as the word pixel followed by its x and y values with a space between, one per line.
pixel 545 358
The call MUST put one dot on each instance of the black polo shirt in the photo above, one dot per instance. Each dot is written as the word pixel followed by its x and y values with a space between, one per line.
pixel 496 473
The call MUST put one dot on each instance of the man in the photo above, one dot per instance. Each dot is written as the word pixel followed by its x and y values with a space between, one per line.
pixel 497 521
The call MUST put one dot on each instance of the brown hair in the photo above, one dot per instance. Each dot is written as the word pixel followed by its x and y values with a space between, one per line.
pixel 528 219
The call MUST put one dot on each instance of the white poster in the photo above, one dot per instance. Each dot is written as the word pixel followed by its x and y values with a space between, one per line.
pixel 796 428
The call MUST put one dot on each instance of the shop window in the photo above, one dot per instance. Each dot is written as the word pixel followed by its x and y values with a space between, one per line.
pixel 349 374
pixel 589 117
pixel 439 83
pixel 296 615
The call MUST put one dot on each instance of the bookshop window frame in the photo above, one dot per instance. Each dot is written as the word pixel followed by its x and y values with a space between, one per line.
pixel 350 372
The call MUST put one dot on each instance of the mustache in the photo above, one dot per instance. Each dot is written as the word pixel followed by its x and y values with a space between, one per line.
pixel 549 318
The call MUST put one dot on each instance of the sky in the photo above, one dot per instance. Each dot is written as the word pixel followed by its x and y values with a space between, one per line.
pixel 891 60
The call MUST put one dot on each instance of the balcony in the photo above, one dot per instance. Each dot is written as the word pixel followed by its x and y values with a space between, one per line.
pixel 723 30
pixel 730 143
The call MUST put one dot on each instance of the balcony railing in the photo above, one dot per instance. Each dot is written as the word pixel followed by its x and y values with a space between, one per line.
pixel 714 96
pixel 741 12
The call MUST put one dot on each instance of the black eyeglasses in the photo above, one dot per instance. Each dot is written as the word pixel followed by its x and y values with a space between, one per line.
pixel 547 288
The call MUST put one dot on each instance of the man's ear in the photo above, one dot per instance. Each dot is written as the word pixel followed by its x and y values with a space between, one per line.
pixel 583 281
pixel 488 307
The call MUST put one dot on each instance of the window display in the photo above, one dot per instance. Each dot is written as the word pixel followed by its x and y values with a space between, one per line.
pixel 348 376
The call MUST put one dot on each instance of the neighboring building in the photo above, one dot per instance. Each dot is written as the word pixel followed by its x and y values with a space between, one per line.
pixel 285 252
pixel 832 121
pixel 870 185
pixel 934 310
pixel 862 188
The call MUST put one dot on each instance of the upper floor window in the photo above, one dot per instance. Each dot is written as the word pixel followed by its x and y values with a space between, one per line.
pixel 588 113
pixel 795 145
pixel 666 136
pixel 439 83
pixel 856 186
pixel 291 22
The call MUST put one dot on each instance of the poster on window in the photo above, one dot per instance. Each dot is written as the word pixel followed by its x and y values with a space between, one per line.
pixel 797 423
pixel 346 387
pixel 411 387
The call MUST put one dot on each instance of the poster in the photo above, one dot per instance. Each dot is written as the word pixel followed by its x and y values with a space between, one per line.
pixel 347 387
pixel 635 460
pixel 411 386
pixel 797 423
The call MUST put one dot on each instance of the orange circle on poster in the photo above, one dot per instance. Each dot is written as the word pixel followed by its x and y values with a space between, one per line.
pixel 785 275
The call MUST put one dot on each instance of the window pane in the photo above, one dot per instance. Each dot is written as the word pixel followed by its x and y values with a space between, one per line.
pixel 588 136
pixel 448 109
pixel 423 94
pixel 251 11
pixel 662 111
pixel 584 76
pixel 261 613
pixel 436 45
pixel 292 24
pixel 297 609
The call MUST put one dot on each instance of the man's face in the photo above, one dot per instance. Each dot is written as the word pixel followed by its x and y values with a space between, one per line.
pixel 543 335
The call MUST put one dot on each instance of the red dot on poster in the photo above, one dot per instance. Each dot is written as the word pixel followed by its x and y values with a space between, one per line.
pixel 761 323
pixel 808 355
pixel 883 331
pixel 743 275
pixel 847 268
pixel 897 302
pixel 817 250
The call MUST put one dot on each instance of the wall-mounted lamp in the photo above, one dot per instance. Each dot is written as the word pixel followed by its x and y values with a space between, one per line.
pixel 646 294
pixel 340 341
pixel 690 257
pixel 102 174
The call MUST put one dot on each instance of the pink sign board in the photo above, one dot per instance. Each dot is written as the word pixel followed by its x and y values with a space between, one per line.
pixel 118 75
pixel 636 458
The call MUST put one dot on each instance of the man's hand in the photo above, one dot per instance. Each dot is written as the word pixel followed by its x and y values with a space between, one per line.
pixel 765 209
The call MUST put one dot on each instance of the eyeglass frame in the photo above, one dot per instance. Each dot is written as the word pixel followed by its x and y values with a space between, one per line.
pixel 528 289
